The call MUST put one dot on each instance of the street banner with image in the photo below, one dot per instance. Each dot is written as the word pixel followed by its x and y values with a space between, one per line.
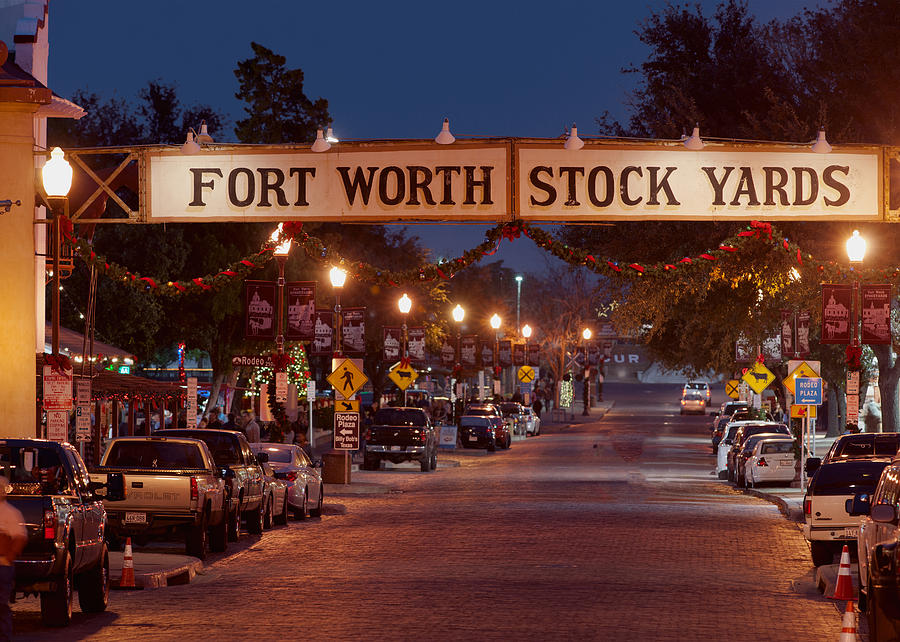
pixel 468 351
pixel 391 343
pixel 353 325
pixel 802 339
pixel 837 309
pixel 448 354
pixel 301 306
pixel 534 354
pixel 743 351
pixel 876 314
pixel 415 345
pixel 787 332
pixel 505 353
pixel 259 310
pixel 324 333
pixel 486 353
pixel 518 354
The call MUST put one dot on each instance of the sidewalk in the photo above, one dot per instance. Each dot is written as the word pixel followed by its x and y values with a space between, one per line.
pixel 156 570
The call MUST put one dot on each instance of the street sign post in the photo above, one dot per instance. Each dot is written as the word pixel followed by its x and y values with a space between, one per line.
pixel 57 389
pixel 802 369
pixel 252 360
pixel 403 376
pixel 346 379
pixel 346 430
pixel 310 402
pixel 808 391
pixel 803 412
pixel 732 389
pixel 758 377
pixel 83 410
pixel 526 374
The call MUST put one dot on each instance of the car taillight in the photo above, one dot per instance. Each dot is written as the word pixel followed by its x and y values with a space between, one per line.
pixel 761 462
pixel 195 489
pixel 423 436
pixel 807 507
pixel 682 402
pixel 50 523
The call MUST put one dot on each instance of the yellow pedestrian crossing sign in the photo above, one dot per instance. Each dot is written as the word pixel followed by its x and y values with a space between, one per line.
pixel 732 389
pixel 758 377
pixel 803 370
pixel 347 379
pixel 403 376
pixel 526 374
pixel 346 405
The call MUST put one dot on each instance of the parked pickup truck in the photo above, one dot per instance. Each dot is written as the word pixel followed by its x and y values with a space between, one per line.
pixel 243 490
pixel 66 524
pixel 401 434
pixel 174 488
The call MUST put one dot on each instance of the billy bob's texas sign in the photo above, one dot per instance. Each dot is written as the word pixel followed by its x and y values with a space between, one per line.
pixel 496 179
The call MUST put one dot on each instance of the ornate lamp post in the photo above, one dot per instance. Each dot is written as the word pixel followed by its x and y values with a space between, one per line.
pixel 518 298
pixel 856 251
pixel 458 315
pixel 404 303
pixel 338 278
pixel 495 324
pixel 586 335
pixel 526 332
pixel 57 178
pixel 281 252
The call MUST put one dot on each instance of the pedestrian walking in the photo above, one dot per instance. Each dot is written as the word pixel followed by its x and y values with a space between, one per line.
pixel 537 406
pixel 251 428
pixel 13 537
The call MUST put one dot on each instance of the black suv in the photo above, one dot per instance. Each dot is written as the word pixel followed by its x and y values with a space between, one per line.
pixel 401 434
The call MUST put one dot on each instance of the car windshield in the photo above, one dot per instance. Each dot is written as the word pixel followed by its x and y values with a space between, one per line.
pixel 862 446
pixel 478 422
pixel 510 408
pixel 777 447
pixel 695 386
pixel 751 442
pixel 280 455
pixel 847 478
pixel 480 410
pixel 399 417
pixel 154 454
pixel 753 429
pixel 693 396
pixel 731 408
pixel 223 446
pixel 33 470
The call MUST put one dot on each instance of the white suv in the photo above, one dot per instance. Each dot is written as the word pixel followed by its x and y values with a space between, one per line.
pixel 697 386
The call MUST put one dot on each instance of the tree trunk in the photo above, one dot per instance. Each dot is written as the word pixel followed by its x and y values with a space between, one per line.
pixel 213 399
pixel 834 413
pixel 888 384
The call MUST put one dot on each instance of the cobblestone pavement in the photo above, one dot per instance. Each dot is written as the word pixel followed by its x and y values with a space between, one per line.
pixel 613 530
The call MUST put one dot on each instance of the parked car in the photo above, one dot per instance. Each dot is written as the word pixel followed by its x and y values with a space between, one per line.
pixel 274 498
pixel 857 446
pixel 746 453
pixel 693 402
pixel 243 491
pixel 721 418
pixel 483 409
pixel 512 412
pixel 772 461
pixel 302 476
pixel 401 434
pixel 697 386
pixel 532 422
pixel 483 432
pixel 65 523
pixel 730 433
pixel 174 489
pixel 828 522
pixel 741 436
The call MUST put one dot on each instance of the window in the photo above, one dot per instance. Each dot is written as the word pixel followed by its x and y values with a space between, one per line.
pixel 34 470
pixel 777 447
pixel 867 446
pixel 154 454
pixel 223 446
pixel 279 455
pixel 847 478
pixel 399 417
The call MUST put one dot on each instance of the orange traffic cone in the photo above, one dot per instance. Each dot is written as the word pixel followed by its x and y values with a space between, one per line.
pixel 848 625
pixel 843 588
pixel 126 582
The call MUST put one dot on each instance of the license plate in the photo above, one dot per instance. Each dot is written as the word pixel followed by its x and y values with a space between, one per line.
pixel 851 532
pixel 473 438
pixel 396 447
pixel 135 518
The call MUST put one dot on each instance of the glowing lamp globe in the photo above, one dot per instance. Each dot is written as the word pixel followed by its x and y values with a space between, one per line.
pixel 586 334
pixel 526 331
pixel 404 303
pixel 57 174
pixel 495 322
pixel 338 277
pixel 856 247
pixel 458 313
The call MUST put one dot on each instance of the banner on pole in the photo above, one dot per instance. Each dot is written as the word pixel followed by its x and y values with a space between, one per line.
pixel 259 310
pixel 837 308
pixel 301 305
pixel 876 314
pixel 324 333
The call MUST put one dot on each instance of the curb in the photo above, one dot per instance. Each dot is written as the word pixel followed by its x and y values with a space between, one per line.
pixel 826 578
pixel 793 514
pixel 172 576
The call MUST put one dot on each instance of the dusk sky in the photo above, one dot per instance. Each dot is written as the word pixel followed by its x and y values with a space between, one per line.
pixel 388 69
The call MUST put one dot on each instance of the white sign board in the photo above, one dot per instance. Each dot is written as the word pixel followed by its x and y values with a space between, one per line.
pixel 311 390
pixel 57 389
pixel 58 425
pixel 853 382
pixel 190 404
pixel 83 410
pixel 852 409
pixel 448 436
pixel 281 387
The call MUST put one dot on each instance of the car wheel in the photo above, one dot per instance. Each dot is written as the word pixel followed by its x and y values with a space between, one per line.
pixel 93 586
pixel 196 542
pixel 300 513
pixel 218 536
pixel 56 606
pixel 872 617
pixel 267 516
pixel 282 519
pixel 508 441
pixel 822 553
pixel 233 524
pixel 255 518
pixel 434 460
pixel 317 511
pixel 492 445
pixel 425 464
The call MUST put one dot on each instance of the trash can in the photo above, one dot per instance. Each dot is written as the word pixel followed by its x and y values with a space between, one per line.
pixel 336 467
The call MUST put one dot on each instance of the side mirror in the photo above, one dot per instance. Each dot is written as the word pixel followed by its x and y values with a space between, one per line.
pixel 317 463
pixel 812 465
pixel 225 473
pixel 884 513
pixel 115 487
pixel 858 505
pixel 262 457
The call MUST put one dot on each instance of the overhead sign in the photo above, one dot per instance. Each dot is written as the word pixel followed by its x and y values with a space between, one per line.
pixel 809 391
pixel 758 377
pixel 346 430
pixel 800 412
pixel 403 376
pixel 526 374
pixel 252 360
pixel 346 379
pixel 804 369
pixel 732 389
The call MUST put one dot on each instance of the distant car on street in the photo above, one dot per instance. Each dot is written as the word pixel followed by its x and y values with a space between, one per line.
pixel 532 422
pixel 743 458
pixel 305 490
pixel 697 386
pixel 721 418
pixel 772 461
pixel 512 412
pixel 743 433
pixel 484 432
pixel 693 403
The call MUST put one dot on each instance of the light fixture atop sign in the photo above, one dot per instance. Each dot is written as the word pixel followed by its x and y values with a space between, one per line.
pixel 694 142
pixel 320 144
pixel 193 140
pixel 573 141
pixel 821 145
pixel 444 137
pixel 330 137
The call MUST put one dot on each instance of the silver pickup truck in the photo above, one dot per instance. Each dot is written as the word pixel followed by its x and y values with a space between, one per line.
pixel 173 488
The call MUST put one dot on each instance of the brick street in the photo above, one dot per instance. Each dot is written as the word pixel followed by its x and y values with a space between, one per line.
pixel 609 530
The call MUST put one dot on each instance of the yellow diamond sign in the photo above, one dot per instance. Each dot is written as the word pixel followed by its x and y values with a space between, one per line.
pixel 758 377
pixel 803 370
pixel 403 376
pixel 347 379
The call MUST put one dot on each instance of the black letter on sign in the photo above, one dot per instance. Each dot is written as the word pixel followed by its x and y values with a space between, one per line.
pixel 266 185
pixel 197 201
pixel 397 198
pixel 798 185
pixel 718 186
pixel 415 184
pixel 570 173
pixel 538 183
pixel 232 187
pixel 448 171
pixel 842 190
pixel 471 183
pixel 302 172
pixel 592 186
pixel 656 185
pixel 623 186
pixel 772 186
pixel 359 183
pixel 745 188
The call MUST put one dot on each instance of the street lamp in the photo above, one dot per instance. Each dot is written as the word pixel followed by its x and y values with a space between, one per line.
pixel 281 252
pixel 495 324
pixel 518 298
pixel 57 178
pixel 586 335
pixel 526 332
pixel 338 277
pixel 404 303
pixel 458 315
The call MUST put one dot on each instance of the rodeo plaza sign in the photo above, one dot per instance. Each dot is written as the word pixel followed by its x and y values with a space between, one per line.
pixel 502 179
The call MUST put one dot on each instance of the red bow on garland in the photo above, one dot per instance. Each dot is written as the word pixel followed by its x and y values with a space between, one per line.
pixel 281 361
pixel 66 228
pixel 761 359
pixel 512 231
pixel 58 362
pixel 404 362
pixel 760 228
pixel 854 355
pixel 292 228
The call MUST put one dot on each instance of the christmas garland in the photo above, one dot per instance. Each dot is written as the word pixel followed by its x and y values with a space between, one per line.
pixel 446 269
